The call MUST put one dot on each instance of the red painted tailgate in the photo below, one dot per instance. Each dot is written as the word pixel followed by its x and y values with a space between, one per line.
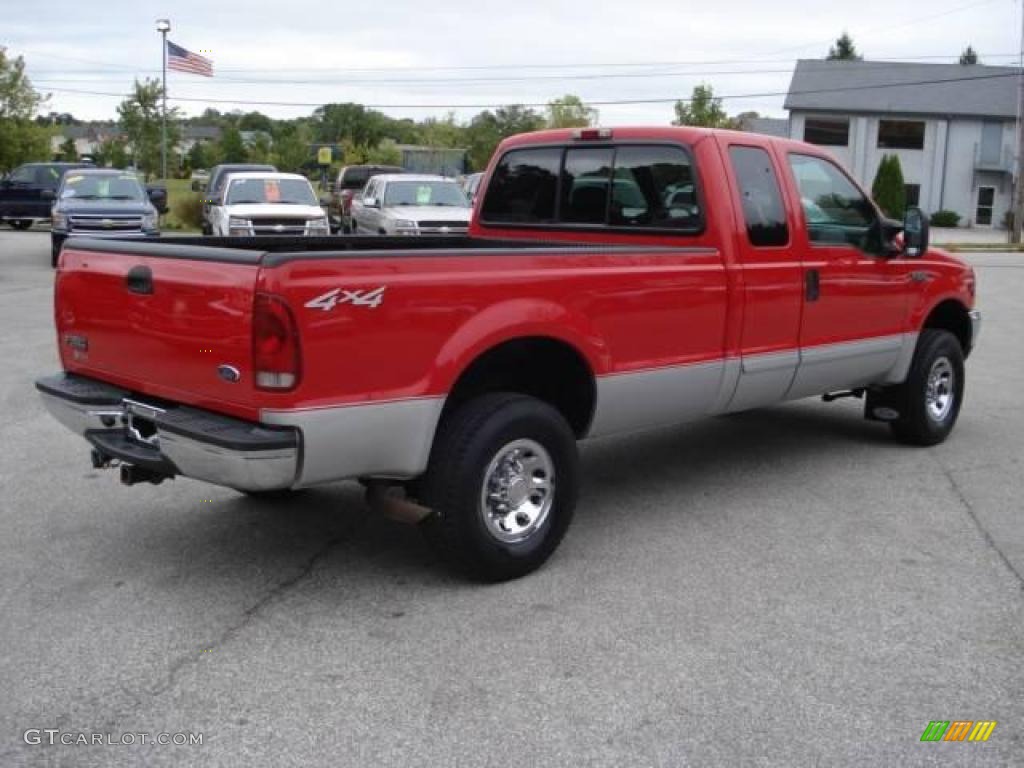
pixel 168 343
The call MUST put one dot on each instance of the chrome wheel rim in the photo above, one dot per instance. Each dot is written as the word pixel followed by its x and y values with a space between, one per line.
pixel 939 395
pixel 518 491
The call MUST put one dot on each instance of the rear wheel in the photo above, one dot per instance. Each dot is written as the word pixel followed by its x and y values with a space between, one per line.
pixel 20 223
pixel 929 400
pixel 502 485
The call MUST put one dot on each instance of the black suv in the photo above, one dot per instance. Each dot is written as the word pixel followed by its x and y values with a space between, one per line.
pixel 102 202
pixel 215 185
pixel 27 192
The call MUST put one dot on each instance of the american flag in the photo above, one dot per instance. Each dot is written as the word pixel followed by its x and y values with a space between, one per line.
pixel 186 61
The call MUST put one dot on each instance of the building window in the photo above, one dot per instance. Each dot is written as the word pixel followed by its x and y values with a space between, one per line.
pixel 913 194
pixel 827 132
pixel 901 134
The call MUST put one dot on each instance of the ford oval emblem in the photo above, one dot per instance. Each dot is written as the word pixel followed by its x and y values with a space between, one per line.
pixel 229 373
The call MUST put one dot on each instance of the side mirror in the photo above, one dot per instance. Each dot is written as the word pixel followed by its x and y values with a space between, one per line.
pixel 48 194
pixel 915 232
pixel 158 196
pixel 370 202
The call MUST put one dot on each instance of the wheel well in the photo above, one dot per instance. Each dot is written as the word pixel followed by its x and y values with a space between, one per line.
pixel 545 368
pixel 952 316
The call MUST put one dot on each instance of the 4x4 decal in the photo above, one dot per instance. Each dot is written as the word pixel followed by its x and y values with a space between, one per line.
pixel 331 299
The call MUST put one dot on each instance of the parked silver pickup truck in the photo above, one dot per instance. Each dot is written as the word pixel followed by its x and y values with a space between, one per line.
pixel 406 204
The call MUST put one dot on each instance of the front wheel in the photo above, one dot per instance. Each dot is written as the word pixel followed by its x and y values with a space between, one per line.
pixel 55 246
pixel 502 484
pixel 930 398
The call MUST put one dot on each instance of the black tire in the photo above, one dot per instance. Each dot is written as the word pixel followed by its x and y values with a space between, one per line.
pixel 21 223
pixel 922 421
pixel 467 442
pixel 55 245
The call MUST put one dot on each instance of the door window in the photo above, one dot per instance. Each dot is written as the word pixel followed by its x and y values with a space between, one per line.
pixel 986 201
pixel 835 211
pixel 763 211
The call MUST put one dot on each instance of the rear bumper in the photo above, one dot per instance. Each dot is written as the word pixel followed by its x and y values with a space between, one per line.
pixel 169 439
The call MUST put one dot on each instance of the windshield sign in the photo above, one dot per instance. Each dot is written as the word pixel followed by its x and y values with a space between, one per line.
pixel 282 191
pixel 446 193
pixel 85 186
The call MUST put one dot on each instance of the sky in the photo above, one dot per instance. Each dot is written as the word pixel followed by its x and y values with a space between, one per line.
pixel 421 58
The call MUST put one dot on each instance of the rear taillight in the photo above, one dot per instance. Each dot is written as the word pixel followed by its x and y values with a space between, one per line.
pixel 275 344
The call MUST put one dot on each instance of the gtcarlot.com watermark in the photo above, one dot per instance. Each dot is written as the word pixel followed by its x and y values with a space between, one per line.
pixel 55 736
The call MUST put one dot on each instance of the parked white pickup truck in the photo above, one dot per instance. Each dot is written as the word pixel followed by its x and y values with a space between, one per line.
pixel 265 203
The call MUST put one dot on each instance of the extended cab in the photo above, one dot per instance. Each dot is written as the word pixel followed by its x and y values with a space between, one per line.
pixel 611 281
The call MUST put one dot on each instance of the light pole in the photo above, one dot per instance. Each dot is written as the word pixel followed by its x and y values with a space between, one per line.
pixel 163 26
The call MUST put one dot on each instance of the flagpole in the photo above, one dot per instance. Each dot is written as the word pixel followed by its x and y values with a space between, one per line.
pixel 163 25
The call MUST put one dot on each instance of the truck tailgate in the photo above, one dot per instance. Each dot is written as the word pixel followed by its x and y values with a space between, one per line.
pixel 160 319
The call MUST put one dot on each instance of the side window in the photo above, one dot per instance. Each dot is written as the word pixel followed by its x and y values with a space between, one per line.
pixel 654 187
pixel 370 190
pixel 26 174
pixel 835 210
pixel 523 187
pixel 763 211
pixel 585 178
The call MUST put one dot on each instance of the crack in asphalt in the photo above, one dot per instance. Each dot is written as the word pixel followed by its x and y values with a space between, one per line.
pixel 966 504
pixel 248 615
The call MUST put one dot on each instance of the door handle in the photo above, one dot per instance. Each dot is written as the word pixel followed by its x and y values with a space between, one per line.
pixel 139 280
pixel 812 284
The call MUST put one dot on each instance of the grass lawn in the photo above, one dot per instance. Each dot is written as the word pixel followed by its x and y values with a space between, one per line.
pixel 176 189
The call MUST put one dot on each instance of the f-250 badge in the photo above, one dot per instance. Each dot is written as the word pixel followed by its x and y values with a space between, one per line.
pixel 331 299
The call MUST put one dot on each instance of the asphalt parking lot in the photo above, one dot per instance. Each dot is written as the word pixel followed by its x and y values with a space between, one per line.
pixel 783 587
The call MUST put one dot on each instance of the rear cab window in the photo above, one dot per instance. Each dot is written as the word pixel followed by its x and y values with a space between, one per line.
pixel 764 213
pixel 627 187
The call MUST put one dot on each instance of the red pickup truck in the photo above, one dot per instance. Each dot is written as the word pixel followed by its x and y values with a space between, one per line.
pixel 613 280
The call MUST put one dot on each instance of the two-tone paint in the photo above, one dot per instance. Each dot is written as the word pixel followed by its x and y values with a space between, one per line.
pixel 670 327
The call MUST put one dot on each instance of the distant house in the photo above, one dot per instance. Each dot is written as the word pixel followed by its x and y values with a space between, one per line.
pixel 197 134
pixel 953 128
pixel 249 138
pixel 87 138
pixel 436 160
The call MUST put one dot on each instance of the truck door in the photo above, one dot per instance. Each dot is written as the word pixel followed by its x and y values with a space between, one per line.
pixel 772 279
pixel 21 193
pixel 855 296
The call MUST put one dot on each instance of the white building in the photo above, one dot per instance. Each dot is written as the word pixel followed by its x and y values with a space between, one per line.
pixel 953 128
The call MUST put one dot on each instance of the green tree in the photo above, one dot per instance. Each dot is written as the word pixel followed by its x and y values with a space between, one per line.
pixel 112 153
pixel 255 121
pixel 442 132
pixel 21 138
pixel 486 130
pixel 362 126
pixel 202 154
pixel 68 151
pixel 141 119
pixel 702 109
pixel 231 147
pixel 385 153
pixel 569 111
pixel 969 56
pixel 888 189
pixel 292 146
pixel 259 152
pixel 844 49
